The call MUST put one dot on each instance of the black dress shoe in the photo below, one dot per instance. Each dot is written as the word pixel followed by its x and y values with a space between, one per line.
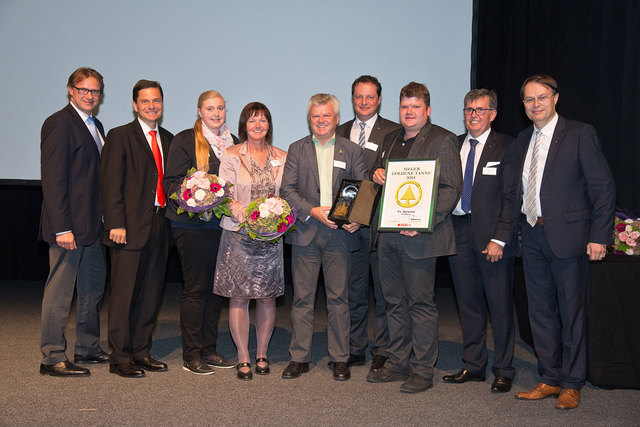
pixel 100 357
pixel 353 360
pixel 295 369
pixel 244 376
pixel 377 362
pixel 127 370
pixel 341 371
pixel 356 360
pixel 462 377
pixel 151 364
pixel 64 369
pixel 501 385
pixel 262 370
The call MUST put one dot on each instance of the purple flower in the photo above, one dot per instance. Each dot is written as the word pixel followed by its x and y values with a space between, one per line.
pixel 620 226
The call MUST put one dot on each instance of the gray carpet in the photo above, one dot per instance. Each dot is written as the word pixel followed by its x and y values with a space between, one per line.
pixel 178 397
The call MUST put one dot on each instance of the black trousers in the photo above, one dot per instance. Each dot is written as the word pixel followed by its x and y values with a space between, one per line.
pixel 137 287
pixel 200 307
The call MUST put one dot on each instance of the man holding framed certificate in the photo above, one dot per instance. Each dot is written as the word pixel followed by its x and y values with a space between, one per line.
pixel 407 257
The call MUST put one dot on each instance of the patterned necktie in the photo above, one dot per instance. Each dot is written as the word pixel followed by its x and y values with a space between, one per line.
pixel 467 183
pixel 530 208
pixel 158 158
pixel 94 131
pixel 361 137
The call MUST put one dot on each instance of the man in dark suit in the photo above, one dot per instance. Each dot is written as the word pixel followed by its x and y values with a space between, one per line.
pixel 483 223
pixel 566 194
pixel 407 259
pixel 314 169
pixel 136 230
pixel 71 223
pixel 368 130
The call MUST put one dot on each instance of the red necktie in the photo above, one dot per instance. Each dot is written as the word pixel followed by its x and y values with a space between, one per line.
pixel 158 158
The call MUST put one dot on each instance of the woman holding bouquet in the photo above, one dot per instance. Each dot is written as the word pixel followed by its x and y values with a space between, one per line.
pixel 196 239
pixel 250 269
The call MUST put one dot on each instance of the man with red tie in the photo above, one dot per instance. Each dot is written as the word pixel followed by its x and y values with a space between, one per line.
pixel 134 201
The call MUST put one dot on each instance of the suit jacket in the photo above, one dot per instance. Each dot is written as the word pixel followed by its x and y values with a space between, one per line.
pixel 70 172
pixel 381 128
pixel 181 158
pixel 577 193
pixel 128 179
pixel 236 169
pixel 432 142
pixel 492 216
pixel 301 186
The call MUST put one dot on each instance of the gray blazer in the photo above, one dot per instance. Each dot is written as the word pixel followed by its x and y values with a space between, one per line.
pixel 301 185
pixel 432 142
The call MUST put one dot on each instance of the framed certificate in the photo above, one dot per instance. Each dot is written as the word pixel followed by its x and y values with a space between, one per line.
pixel 409 195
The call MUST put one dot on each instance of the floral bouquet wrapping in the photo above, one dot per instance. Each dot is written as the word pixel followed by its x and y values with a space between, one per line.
pixel 626 235
pixel 269 218
pixel 203 194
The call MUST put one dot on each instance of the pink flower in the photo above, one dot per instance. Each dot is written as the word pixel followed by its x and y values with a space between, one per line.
pixel 634 234
pixel 289 219
pixel 631 243
pixel 186 195
pixel 623 236
pixel 282 226
pixel 215 187
pixel 255 215
pixel 620 226
pixel 275 205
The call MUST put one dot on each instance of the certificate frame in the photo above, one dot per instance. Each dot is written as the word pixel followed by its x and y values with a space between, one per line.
pixel 409 195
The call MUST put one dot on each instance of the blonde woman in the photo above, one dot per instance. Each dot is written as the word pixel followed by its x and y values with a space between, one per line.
pixel 197 241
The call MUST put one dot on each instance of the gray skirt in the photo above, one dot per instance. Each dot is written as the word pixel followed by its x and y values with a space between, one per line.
pixel 247 268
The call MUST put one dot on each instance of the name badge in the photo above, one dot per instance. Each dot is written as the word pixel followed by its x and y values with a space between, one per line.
pixel 339 164
pixel 489 171
pixel 371 146
pixel 276 162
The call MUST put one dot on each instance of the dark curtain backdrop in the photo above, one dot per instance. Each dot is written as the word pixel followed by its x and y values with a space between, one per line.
pixel 592 49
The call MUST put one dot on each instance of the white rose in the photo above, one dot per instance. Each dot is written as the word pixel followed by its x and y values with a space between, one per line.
pixel 200 194
pixel 264 210
pixel 191 203
pixel 221 181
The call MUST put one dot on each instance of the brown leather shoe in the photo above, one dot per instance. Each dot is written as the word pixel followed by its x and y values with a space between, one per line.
pixel 540 392
pixel 568 399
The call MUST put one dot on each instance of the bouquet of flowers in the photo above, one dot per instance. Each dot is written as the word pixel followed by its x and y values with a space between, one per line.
pixel 203 194
pixel 269 218
pixel 627 235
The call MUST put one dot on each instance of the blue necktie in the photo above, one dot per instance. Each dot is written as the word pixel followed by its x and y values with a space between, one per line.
pixel 361 137
pixel 467 184
pixel 94 131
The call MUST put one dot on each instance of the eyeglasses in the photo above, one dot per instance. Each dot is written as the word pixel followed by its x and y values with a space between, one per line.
pixel 84 91
pixel 541 99
pixel 479 111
